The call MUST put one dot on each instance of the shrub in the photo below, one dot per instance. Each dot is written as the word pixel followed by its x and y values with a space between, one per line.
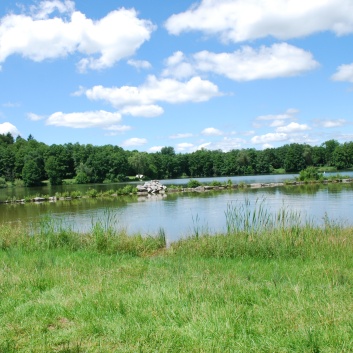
pixel 18 182
pixel 76 194
pixel 193 183
pixel 92 193
pixel 216 183
pixel 310 173
pixel 127 189
pixel 3 183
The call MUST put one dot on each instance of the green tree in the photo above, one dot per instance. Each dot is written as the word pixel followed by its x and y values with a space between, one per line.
pixel 329 147
pixel 294 161
pixel 139 162
pixel 31 173
pixel 54 170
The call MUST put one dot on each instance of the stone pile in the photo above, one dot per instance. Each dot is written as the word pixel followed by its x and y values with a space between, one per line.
pixel 151 187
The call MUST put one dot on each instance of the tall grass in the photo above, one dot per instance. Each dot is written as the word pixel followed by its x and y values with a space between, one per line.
pixel 266 285
pixel 105 236
pixel 252 230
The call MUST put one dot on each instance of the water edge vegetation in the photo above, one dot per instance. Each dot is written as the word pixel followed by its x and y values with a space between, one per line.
pixel 309 175
pixel 270 283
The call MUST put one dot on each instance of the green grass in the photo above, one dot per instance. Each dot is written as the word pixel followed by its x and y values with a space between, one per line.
pixel 264 286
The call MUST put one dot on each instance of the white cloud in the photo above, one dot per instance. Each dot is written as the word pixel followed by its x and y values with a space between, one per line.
pixel 116 36
pixel 155 149
pixel 11 105
pixel 179 66
pixel 276 120
pixel 344 73
pixel 181 136
pixel 330 123
pixel 287 115
pixel 227 144
pixel 292 128
pixel 249 133
pixel 8 127
pixel 139 64
pixel 211 131
pixel 277 123
pixel 117 129
pixel 184 146
pixel 135 141
pixel 35 117
pixel 146 111
pixel 270 137
pixel 203 146
pixel 42 10
pixel 245 64
pixel 140 101
pixel 82 120
pixel 241 20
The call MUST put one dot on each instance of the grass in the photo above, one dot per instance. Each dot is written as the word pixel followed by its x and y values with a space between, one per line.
pixel 273 285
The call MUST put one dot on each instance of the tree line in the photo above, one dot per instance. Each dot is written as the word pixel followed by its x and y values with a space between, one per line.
pixel 30 161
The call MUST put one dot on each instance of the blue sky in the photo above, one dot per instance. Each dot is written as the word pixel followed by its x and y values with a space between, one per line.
pixel 214 74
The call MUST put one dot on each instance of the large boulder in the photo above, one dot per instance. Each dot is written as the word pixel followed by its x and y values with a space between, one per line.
pixel 151 187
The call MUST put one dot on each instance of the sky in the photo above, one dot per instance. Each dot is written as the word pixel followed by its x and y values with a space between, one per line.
pixel 213 74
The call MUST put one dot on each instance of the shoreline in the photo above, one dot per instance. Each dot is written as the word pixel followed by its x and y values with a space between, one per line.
pixel 201 188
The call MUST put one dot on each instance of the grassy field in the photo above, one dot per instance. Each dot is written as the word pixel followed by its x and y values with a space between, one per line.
pixel 266 286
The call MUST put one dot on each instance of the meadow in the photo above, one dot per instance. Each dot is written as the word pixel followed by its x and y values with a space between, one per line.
pixel 271 283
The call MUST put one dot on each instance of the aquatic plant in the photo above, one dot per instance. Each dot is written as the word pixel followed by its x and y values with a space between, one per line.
pixel 193 183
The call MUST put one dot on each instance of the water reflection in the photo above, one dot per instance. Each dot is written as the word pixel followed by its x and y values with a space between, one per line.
pixel 179 213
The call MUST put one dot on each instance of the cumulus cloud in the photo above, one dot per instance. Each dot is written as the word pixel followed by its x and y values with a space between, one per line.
pixel 155 149
pixel 82 120
pixel 184 146
pixel 344 73
pixel 35 117
pixel 211 131
pixel 11 105
pixel 179 66
pixel 245 64
pixel 181 136
pixel 276 120
pixel 146 111
pixel 39 36
pixel 134 141
pixel 139 64
pixel 114 130
pixel 8 127
pixel 330 123
pixel 270 137
pixel 227 144
pixel 241 20
pixel 288 114
pixel 292 128
pixel 140 101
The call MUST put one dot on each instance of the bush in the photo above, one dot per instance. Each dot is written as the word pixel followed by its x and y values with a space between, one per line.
pixel 127 189
pixel 216 183
pixel 76 194
pixel 3 183
pixel 92 193
pixel 310 173
pixel 193 183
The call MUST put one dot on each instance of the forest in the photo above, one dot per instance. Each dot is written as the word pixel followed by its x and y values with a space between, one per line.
pixel 29 162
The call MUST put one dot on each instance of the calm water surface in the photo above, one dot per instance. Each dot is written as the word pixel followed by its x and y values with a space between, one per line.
pixel 180 214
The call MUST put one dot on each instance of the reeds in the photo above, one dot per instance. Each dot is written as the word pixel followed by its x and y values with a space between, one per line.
pixel 105 236
pixel 253 230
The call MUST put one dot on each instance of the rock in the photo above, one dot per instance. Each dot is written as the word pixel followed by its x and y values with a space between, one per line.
pixel 38 199
pixel 151 187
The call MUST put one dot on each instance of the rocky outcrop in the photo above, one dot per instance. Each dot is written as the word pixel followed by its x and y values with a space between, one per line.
pixel 151 187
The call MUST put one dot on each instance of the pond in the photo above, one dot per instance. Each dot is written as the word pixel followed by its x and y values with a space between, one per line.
pixel 183 214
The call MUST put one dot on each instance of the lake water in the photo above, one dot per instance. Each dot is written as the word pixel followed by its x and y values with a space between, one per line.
pixel 181 214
